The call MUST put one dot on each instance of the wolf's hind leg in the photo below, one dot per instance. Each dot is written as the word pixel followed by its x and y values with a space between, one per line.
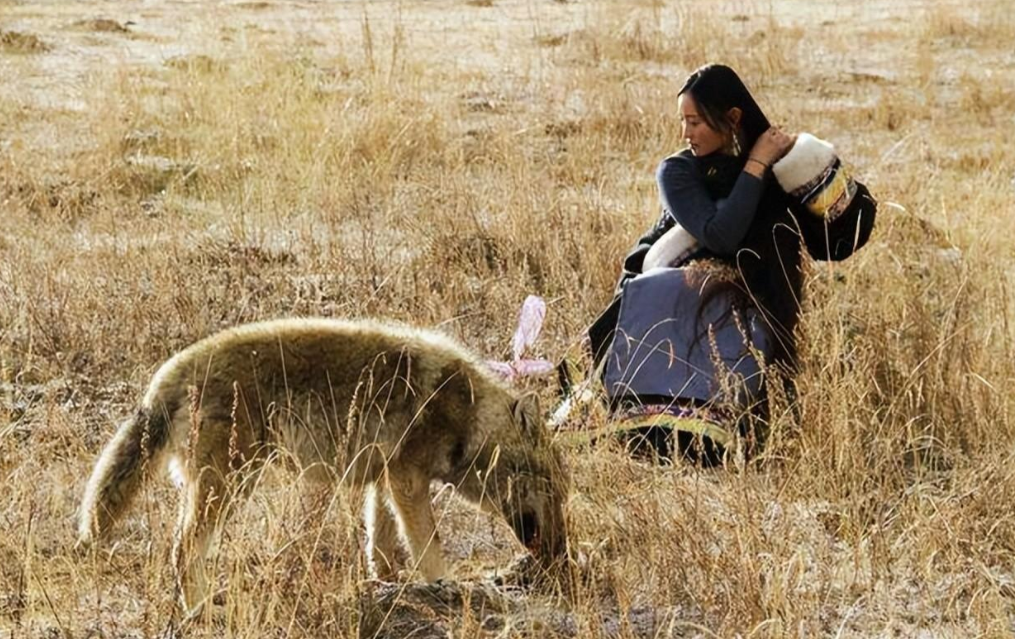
pixel 383 548
pixel 210 491
pixel 410 494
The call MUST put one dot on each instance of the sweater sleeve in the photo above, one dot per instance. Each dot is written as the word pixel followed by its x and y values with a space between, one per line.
pixel 719 225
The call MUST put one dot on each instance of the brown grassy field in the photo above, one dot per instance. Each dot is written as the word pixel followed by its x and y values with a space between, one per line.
pixel 169 169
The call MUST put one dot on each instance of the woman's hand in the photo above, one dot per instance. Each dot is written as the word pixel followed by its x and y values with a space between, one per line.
pixel 771 146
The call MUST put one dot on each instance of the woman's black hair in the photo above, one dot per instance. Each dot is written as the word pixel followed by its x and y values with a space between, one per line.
pixel 716 89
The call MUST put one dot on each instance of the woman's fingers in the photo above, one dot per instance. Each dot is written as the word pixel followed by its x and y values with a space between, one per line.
pixel 781 142
pixel 792 142
pixel 772 145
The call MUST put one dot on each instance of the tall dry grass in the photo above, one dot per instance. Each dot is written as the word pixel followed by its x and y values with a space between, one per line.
pixel 430 176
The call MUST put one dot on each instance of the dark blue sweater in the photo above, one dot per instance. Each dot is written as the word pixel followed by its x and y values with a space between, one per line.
pixel 719 224
pixel 712 197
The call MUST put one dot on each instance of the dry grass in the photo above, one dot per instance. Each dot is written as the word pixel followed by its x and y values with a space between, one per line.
pixel 16 42
pixel 437 163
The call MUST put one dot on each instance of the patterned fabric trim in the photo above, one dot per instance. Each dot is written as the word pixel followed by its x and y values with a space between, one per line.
pixel 825 175
pixel 832 195
pixel 697 420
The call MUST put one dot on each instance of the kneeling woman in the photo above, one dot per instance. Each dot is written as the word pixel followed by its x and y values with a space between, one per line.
pixel 709 298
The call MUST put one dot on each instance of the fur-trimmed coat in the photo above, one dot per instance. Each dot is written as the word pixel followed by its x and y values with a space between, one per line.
pixel 715 213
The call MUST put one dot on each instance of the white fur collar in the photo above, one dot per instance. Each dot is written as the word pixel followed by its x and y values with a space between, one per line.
pixel 674 244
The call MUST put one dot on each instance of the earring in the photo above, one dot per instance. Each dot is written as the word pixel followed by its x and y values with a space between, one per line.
pixel 736 144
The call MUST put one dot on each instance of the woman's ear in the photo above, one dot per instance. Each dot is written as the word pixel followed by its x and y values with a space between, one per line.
pixel 734 116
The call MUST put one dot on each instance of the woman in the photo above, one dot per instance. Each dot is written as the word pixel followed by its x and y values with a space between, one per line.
pixel 709 298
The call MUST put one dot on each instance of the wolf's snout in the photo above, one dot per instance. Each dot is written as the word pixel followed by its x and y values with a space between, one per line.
pixel 540 537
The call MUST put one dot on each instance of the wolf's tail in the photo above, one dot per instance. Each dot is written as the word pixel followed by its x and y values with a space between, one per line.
pixel 119 471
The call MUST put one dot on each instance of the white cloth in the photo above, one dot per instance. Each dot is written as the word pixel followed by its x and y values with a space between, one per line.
pixel 673 245
pixel 809 158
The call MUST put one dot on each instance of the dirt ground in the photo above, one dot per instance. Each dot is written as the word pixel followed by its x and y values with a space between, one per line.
pixel 72 41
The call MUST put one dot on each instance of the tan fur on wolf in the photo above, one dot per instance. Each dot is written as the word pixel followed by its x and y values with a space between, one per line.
pixel 384 406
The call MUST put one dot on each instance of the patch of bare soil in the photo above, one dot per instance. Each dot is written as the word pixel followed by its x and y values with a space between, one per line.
pixel 436 611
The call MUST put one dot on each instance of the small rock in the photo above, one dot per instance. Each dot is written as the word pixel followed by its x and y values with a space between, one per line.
pixel 494 623
pixel 480 102
pixel 155 172
pixel 140 138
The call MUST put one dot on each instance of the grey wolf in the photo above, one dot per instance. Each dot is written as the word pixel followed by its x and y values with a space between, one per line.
pixel 379 406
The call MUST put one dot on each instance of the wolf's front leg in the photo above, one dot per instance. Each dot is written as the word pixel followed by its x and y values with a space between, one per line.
pixel 382 534
pixel 410 494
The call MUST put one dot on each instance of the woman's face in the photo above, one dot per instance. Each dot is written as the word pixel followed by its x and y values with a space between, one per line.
pixel 702 138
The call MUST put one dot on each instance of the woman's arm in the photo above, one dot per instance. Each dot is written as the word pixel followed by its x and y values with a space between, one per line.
pixel 719 225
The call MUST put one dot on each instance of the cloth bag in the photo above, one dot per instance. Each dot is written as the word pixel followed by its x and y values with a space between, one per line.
pixel 839 211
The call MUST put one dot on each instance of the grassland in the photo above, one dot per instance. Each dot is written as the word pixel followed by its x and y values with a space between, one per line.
pixel 169 170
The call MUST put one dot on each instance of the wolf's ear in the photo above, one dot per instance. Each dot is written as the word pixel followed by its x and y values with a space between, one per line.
pixel 526 414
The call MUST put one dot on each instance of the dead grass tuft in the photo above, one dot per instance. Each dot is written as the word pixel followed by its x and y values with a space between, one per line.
pixel 102 25
pixel 987 24
pixel 17 42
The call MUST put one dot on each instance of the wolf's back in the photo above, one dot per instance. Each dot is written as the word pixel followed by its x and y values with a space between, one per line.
pixel 271 363
pixel 118 472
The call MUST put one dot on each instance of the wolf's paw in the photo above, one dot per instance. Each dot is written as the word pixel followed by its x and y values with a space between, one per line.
pixel 82 547
pixel 523 572
pixel 192 616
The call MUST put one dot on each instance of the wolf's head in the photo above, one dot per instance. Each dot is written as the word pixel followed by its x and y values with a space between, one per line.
pixel 532 485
